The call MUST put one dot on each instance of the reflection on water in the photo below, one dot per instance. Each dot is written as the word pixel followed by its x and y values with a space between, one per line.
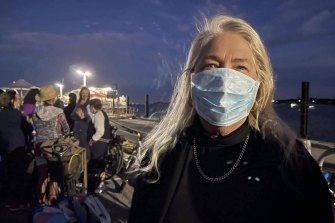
pixel 321 124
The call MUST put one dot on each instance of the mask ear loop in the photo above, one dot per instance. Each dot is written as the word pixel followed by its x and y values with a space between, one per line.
pixel 189 72
pixel 257 107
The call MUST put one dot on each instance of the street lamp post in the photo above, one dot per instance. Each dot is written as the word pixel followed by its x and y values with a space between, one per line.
pixel 60 89
pixel 84 74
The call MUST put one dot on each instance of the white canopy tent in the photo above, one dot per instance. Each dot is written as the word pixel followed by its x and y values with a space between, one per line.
pixel 21 85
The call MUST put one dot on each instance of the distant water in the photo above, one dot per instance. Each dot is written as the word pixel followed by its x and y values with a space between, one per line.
pixel 321 124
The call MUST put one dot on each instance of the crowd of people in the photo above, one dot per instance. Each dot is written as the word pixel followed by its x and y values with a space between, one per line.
pixel 221 154
pixel 25 172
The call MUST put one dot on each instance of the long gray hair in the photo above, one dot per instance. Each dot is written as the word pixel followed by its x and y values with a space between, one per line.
pixel 181 114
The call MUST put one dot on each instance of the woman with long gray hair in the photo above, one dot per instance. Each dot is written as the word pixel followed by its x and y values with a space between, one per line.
pixel 221 154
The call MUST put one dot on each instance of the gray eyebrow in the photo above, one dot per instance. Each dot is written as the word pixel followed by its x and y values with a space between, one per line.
pixel 236 60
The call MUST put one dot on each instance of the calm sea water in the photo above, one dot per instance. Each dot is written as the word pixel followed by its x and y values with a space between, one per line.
pixel 321 124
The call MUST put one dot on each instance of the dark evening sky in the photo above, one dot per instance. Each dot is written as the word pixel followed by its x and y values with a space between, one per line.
pixel 141 45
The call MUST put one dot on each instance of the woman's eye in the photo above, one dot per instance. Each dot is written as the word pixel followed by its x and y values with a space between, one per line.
pixel 209 66
pixel 241 68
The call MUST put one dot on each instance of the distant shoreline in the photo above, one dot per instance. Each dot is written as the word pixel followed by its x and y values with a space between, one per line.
pixel 325 101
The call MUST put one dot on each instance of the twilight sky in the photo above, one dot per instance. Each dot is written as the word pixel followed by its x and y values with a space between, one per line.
pixel 141 45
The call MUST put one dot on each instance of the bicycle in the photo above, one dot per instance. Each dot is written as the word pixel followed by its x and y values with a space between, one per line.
pixel 68 161
pixel 328 172
pixel 114 156
pixel 119 158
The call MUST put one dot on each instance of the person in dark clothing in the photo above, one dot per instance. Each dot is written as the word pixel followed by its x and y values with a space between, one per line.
pixel 81 118
pixel 69 109
pixel 1 161
pixel 17 99
pixel 30 102
pixel 59 103
pixel 1 91
pixel 99 136
pixel 14 129
pixel 221 154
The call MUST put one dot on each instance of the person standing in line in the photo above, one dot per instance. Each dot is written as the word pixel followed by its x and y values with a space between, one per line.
pixel 99 135
pixel 2 174
pixel 49 121
pixel 14 129
pixel 50 124
pixel 30 101
pixel 17 101
pixel 59 103
pixel 69 109
pixel 81 118
pixel 1 91
pixel 221 154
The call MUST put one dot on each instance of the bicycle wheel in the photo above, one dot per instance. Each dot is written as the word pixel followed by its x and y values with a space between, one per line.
pixel 328 171
pixel 113 160
pixel 73 168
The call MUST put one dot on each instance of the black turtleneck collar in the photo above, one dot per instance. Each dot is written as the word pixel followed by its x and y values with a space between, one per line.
pixel 236 137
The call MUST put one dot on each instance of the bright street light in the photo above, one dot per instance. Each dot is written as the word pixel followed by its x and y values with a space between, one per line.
pixel 84 74
pixel 60 89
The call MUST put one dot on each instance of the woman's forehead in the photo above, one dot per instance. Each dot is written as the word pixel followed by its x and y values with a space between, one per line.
pixel 228 44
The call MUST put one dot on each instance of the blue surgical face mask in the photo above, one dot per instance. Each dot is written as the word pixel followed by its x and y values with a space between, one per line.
pixel 223 96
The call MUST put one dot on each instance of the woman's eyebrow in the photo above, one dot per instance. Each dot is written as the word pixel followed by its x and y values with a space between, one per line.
pixel 241 60
pixel 213 57
pixel 235 60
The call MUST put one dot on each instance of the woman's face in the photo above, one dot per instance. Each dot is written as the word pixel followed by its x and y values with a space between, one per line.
pixel 92 109
pixel 84 94
pixel 227 50
pixel 17 101
pixel 37 98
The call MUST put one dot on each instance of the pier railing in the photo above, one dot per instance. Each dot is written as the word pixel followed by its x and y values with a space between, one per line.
pixel 118 113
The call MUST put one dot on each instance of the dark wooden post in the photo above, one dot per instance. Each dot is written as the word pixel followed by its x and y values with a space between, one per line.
pixel 146 115
pixel 113 105
pixel 304 106
pixel 127 107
